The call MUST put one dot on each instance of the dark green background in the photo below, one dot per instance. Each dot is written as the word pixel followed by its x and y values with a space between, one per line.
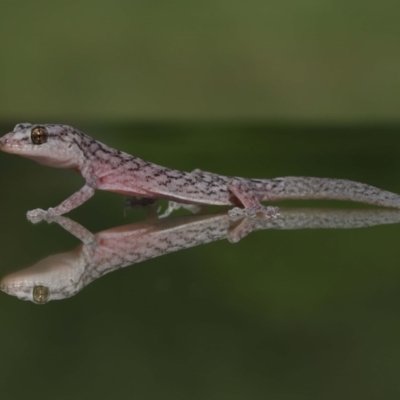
pixel 282 314
pixel 100 59
pixel 260 89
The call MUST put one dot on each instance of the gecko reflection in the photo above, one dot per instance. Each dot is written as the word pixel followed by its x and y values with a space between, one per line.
pixel 63 275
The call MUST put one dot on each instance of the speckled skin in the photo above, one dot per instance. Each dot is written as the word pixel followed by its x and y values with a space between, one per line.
pixel 105 168
pixel 63 275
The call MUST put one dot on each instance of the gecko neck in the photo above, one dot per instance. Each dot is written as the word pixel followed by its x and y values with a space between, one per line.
pixel 97 159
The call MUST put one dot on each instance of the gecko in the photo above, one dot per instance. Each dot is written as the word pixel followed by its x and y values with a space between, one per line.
pixel 106 168
pixel 60 276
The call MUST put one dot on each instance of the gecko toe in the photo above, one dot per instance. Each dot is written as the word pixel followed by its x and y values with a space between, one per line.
pixel 36 215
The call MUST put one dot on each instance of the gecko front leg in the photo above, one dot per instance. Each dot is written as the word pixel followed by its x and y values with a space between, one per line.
pixel 78 198
pixel 252 206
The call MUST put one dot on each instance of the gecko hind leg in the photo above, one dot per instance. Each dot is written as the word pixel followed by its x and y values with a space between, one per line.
pixel 173 205
pixel 252 206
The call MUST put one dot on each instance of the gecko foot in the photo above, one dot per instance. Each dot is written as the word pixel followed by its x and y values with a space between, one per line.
pixel 38 215
pixel 255 212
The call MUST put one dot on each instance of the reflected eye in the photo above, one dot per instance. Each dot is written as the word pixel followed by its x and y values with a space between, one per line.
pixel 41 294
pixel 39 135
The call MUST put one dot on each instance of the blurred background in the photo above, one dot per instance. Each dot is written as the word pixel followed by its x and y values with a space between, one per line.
pixel 97 59
pixel 255 88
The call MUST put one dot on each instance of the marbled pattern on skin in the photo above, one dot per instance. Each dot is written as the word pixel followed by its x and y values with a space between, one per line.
pixel 63 275
pixel 105 168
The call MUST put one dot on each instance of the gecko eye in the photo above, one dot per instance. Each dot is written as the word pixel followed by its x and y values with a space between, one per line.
pixel 41 294
pixel 39 135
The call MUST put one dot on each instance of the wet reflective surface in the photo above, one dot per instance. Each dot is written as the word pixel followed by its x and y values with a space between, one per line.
pixel 284 312
pixel 63 275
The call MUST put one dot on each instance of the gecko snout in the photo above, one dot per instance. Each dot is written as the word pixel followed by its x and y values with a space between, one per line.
pixel 3 142
pixel 10 143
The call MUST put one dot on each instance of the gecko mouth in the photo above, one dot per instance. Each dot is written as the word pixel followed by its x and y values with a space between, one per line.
pixel 8 146
pixel 11 148
pixel 22 147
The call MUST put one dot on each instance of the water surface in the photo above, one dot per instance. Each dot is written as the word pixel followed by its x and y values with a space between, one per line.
pixel 290 314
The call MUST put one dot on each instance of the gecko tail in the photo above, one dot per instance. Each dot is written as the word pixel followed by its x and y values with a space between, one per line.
pixel 295 188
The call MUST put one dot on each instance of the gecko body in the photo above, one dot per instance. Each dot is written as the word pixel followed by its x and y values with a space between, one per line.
pixel 105 168
pixel 60 276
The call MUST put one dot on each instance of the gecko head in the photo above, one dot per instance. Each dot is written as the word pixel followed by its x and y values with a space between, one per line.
pixel 55 277
pixel 53 145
